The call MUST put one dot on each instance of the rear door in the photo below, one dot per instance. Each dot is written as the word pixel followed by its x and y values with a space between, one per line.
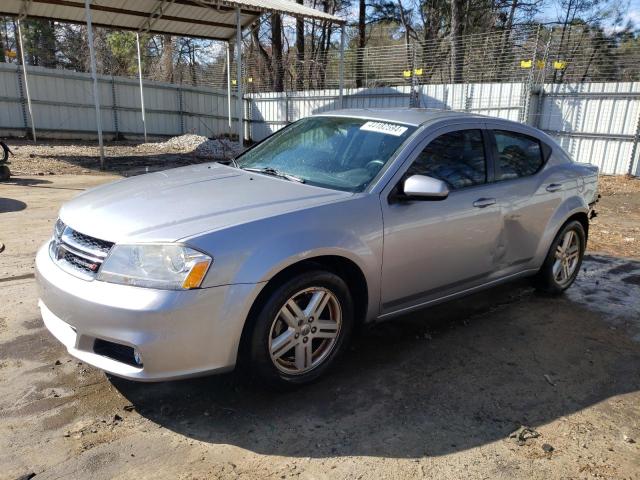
pixel 434 248
pixel 527 193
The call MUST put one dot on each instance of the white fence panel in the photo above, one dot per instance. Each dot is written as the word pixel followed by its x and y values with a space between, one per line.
pixel 268 112
pixel 611 155
pixel 381 97
pixel 11 114
pixel 271 111
pixel 503 100
pixel 63 105
pixel 594 122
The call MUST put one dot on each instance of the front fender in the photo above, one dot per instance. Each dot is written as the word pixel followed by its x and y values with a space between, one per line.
pixel 256 251
pixel 569 207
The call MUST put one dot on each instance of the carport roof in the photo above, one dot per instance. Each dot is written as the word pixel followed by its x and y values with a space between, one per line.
pixel 214 19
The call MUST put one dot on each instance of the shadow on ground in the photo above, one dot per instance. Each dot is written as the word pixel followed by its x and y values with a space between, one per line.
pixel 26 182
pixel 449 378
pixel 10 205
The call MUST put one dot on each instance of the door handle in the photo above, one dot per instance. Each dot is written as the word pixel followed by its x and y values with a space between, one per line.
pixel 484 202
pixel 554 187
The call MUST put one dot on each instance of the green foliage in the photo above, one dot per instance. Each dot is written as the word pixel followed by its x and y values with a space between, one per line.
pixel 123 50
pixel 40 42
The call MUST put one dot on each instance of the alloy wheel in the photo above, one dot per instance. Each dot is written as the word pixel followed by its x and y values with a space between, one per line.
pixel 567 257
pixel 305 330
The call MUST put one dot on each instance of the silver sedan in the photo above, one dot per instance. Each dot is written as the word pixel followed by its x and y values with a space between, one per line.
pixel 338 219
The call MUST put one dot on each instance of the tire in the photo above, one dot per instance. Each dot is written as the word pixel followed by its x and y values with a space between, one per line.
pixel 553 278
pixel 288 349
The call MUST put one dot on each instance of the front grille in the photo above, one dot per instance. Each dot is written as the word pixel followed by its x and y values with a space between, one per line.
pixel 79 254
pixel 77 262
pixel 91 243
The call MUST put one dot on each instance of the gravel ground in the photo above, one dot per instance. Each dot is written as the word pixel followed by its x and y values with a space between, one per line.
pixel 123 158
pixel 504 384
pixel 616 229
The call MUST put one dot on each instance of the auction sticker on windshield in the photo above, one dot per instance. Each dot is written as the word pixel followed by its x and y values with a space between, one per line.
pixel 383 127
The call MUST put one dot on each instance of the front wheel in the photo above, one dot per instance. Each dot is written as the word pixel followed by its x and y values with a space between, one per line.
pixel 301 329
pixel 563 261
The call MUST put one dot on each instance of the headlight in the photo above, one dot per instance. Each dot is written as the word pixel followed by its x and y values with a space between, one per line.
pixel 171 266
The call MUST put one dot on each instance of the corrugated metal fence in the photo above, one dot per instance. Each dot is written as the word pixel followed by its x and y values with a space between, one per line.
pixel 594 122
pixel 63 105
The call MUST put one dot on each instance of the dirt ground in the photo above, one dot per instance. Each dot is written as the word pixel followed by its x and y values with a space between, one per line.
pixel 123 158
pixel 436 394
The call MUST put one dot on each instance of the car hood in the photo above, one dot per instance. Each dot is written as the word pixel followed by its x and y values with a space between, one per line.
pixel 183 202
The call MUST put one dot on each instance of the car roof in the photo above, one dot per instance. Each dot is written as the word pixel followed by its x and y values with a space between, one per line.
pixel 408 116
pixel 421 116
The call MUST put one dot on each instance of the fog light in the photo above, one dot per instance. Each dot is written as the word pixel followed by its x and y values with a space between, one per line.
pixel 136 357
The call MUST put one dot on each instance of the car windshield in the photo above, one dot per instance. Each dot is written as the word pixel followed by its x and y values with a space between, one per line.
pixel 333 152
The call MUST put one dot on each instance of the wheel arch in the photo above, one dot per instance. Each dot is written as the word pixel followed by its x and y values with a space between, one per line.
pixel 342 266
pixel 581 217
pixel 574 208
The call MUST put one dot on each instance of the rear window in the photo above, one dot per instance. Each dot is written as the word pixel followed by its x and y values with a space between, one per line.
pixel 518 155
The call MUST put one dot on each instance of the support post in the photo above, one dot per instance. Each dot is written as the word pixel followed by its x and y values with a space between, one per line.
pixel 181 110
pixel 414 96
pixel 94 76
pixel 26 83
pixel 528 89
pixel 114 109
pixel 634 150
pixel 468 102
pixel 239 78
pixel 341 85
pixel 286 108
pixel 229 85
pixel 144 119
pixel 537 121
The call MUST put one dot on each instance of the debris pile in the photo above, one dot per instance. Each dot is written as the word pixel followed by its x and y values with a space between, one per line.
pixel 217 148
pixel 524 433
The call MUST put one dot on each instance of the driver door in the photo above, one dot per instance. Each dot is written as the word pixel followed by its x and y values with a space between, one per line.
pixel 436 248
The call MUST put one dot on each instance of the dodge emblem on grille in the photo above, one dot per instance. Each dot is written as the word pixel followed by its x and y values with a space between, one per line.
pixel 90 265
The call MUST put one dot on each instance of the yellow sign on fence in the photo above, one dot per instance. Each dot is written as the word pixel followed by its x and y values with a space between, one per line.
pixel 559 64
pixel 525 63
pixel 406 73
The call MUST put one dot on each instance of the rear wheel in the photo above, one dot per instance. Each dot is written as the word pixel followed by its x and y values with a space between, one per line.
pixel 301 329
pixel 563 261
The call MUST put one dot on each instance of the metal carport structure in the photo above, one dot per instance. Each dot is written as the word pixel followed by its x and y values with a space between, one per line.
pixel 209 19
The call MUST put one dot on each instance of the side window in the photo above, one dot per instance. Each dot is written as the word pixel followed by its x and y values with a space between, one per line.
pixel 518 155
pixel 457 158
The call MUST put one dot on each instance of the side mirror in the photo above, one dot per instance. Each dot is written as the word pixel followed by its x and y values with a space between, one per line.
pixel 421 187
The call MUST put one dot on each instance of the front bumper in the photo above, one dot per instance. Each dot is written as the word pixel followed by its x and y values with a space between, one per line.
pixel 176 333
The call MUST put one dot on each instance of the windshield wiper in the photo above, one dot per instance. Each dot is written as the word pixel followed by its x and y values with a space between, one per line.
pixel 275 173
